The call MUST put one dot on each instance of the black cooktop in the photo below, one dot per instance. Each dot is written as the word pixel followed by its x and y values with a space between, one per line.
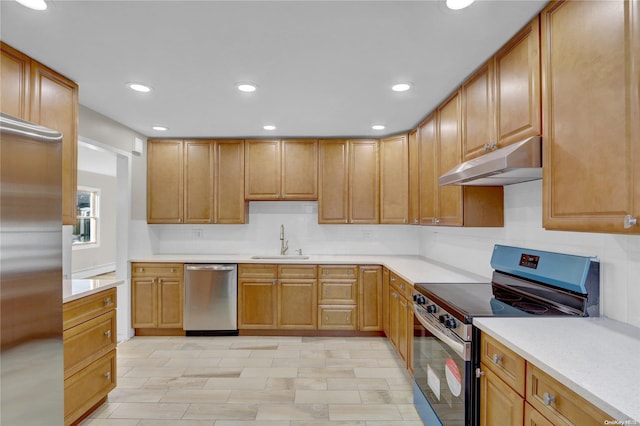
pixel 468 300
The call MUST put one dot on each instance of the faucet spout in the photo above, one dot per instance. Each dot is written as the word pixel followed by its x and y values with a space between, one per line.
pixel 284 244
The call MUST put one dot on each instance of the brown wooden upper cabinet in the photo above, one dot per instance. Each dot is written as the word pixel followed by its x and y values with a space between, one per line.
pixel 281 169
pixel 348 181
pixel 31 91
pixel 414 178
pixel 195 181
pixel 501 100
pixel 439 140
pixel 394 180
pixel 591 143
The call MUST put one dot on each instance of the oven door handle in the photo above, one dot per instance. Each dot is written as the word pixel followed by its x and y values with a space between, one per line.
pixel 461 348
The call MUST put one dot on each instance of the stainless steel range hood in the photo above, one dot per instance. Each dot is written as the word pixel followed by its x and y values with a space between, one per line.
pixel 518 162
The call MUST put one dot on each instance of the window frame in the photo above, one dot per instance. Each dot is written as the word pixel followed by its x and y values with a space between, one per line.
pixel 94 219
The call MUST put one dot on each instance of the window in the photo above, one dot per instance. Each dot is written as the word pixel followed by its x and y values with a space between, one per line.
pixel 85 231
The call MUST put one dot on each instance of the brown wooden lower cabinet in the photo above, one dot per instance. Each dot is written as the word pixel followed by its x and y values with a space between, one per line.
pixel 505 400
pixel 400 317
pixel 157 297
pixel 89 339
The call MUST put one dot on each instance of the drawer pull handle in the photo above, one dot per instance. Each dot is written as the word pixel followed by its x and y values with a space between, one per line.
pixel 392 279
pixel 140 269
pixel 107 375
pixel 497 359
pixel 401 286
pixel 173 270
pixel 107 301
pixel 548 398
pixel 326 318
pixel 347 318
pixel 107 334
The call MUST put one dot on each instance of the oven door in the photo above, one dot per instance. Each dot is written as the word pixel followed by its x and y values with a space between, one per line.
pixel 442 371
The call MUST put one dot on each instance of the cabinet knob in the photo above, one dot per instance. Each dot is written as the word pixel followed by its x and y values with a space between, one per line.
pixel 415 221
pixel 107 375
pixel 140 269
pixel 107 301
pixel 392 279
pixel 548 398
pixel 436 221
pixel 493 146
pixel 497 358
pixel 479 373
pixel 326 318
pixel 107 334
pixel 485 147
pixel 630 221
pixel 274 282
pixel 179 220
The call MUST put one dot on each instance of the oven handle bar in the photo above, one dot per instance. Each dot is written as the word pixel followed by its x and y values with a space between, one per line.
pixel 463 349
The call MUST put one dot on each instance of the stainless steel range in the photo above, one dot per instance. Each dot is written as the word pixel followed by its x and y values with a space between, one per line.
pixel 525 282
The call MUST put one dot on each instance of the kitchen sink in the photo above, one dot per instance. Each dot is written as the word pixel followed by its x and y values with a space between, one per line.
pixel 281 257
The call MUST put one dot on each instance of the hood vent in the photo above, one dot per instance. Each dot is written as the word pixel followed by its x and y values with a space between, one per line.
pixel 516 163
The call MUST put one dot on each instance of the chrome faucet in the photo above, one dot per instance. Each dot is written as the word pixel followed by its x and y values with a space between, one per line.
pixel 284 245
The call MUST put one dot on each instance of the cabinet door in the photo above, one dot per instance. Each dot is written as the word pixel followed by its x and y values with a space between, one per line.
pixel 333 181
pixel 198 181
pixel 394 180
pixel 385 302
pixel 257 303
pixel 15 69
pixel 164 181
pixel 403 328
pixel 229 203
pixel 298 304
pixel 534 418
pixel 591 142
pixel 414 178
pixel 144 303
pixel 428 143
pixel 364 182
pixel 170 302
pixel 54 104
pixel 394 314
pixel 449 155
pixel 499 404
pixel 517 86
pixel 370 298
pixel 299 169
pixel 262 170
pixel 477 113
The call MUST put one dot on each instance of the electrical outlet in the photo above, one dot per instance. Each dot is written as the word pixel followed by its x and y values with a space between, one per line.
pixel 197 234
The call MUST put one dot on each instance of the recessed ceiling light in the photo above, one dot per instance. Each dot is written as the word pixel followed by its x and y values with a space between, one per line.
pixel 160 128
pixel 33 4
pixel 458 4
pixel 269 127
pixel 378 127
pixel 246 87
pixel 401 87
pixel 139 87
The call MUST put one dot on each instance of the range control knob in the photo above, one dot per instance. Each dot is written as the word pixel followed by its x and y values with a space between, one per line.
pixel 443 318
pixel 450 322
pixel 432 309
pixel 419 299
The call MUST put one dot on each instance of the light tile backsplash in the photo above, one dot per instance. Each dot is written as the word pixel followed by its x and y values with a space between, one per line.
pixel 466 248
pixel 470 249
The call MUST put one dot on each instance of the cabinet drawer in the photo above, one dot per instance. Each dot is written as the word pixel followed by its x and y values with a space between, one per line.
pixel 258 271
pixel 505 363
pixel 297 271
pixel 402 286
pixel 337 317
pixel 337 292
pixel 558 403
pixel 88 341
pixel 87 387
pixel 85 308
pixel 338 271
pixel 157 270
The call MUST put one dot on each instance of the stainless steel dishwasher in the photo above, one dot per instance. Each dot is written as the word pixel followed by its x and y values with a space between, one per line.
pixel 210 299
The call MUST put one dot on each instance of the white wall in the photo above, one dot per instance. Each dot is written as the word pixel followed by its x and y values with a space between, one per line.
pixel 95 259
pixel 470 249
pixel 262 234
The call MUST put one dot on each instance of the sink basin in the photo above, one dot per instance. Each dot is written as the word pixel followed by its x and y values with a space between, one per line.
pixel 282 257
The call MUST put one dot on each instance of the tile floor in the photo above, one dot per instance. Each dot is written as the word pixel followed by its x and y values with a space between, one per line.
pixel 271 381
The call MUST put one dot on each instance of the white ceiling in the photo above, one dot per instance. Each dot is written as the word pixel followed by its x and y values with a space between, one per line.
pixel 324 68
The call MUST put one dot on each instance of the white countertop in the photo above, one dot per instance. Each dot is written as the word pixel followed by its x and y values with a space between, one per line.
pixel 598 358
pixel 414 269
pixel 75 289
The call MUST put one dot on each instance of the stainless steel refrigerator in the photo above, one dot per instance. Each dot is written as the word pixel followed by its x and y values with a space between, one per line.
pixel 31 357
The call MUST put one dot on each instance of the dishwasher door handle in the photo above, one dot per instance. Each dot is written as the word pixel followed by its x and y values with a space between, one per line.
pixel 209 268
